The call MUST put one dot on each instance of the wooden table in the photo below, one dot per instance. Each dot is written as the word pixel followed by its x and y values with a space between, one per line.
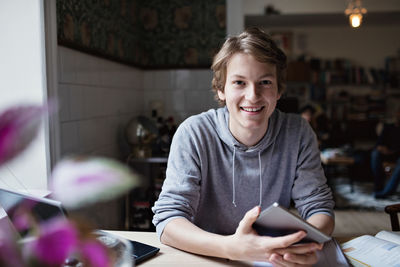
pixel 330 163
pixel 337 160
pixel 168 256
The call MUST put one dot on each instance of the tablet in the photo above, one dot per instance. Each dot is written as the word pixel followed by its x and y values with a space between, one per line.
pixel 278 221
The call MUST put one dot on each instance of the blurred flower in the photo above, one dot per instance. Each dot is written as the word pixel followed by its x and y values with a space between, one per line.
pixel 56 241
pixel 77 182
pixel 18 128
pixel 22 220
pixel 95 254
pixel 9 252
pixel 20 215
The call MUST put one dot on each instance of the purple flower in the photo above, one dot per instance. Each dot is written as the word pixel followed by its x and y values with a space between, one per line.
pixel 21 215
pixel 22 221
pixel 57 240
pixel 9 253
pixel 18 127
pixel 95 253
pixel 76 182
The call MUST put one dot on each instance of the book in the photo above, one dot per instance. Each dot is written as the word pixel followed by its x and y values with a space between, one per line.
pixel 383 249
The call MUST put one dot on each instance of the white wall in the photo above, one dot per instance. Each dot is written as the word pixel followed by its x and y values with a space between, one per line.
pixel 181 92
pixel 367 46
pixel 23 80
pixel 97 97
pixel 234 17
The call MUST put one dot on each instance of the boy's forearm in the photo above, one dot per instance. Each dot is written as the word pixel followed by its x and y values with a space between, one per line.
pixel 182 234
pixel 323 222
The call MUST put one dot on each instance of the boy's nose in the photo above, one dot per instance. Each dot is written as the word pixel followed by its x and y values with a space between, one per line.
pixel 251 91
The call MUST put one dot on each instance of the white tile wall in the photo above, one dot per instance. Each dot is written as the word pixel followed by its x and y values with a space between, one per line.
pixel 67 65
pixel 69 138
pixel 63 102
pixel 75 101
pixel 96 97
pixel 181 92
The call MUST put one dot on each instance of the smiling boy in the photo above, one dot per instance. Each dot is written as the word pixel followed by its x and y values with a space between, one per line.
pixel 225 165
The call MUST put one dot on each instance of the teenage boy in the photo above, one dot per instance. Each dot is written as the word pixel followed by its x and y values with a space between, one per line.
pixel 226 165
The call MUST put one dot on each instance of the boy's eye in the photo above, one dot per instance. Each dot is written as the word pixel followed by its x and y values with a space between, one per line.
pixel 265 82
pixel 238 82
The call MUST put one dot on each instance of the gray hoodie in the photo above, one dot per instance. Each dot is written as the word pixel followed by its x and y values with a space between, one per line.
pixel 213 180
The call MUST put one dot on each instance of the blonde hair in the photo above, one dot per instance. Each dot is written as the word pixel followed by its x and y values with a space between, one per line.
pixel 252 41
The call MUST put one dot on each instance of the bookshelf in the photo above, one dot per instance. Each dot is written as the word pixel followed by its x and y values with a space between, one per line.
pixel 354 98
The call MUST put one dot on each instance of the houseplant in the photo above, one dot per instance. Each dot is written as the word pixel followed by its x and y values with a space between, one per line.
pixel 76 182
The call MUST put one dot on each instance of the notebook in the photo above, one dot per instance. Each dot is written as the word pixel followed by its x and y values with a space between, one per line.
pixel 44 209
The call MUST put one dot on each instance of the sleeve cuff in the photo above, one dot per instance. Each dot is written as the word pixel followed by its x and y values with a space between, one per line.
pixel 161 225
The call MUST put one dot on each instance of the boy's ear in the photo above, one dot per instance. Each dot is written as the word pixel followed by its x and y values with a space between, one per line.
pixel 221 95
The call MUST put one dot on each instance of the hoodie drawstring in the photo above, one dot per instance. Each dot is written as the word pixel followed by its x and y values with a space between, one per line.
pixel 259 167
pixel 233 176
pixel 260 174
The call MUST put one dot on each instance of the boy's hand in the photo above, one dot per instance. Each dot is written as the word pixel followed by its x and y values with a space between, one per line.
pixel 246 244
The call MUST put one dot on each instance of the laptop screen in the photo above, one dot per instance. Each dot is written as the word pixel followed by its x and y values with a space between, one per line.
pixel 17 205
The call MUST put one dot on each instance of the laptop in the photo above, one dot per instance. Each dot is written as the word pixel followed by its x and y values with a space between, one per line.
pixel 44 209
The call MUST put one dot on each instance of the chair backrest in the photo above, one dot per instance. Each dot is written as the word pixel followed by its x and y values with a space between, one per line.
pixel 393 211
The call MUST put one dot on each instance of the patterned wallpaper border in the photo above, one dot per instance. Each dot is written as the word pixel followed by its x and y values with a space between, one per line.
pixel 150 34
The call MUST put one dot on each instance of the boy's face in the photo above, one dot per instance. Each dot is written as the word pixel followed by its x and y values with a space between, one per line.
pixel 250 93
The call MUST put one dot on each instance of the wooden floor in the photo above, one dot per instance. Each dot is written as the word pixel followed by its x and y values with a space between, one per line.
pixel 355 223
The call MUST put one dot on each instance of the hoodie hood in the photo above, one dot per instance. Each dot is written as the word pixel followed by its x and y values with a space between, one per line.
pixel 222 128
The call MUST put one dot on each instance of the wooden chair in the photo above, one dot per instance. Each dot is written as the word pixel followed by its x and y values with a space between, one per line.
pixel 393 210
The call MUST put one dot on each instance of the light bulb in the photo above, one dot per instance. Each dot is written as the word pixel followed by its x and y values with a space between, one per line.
pixel 355 20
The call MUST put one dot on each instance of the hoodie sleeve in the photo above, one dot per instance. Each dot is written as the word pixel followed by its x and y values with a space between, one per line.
pixel 310 191
pixel 181 189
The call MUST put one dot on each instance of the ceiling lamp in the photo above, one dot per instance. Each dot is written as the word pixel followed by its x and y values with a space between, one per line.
pixel 355 12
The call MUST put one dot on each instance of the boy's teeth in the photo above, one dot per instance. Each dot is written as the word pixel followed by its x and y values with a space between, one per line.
pixel 252 109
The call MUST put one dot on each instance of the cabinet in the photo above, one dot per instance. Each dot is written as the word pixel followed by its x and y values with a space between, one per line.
pixel 138 214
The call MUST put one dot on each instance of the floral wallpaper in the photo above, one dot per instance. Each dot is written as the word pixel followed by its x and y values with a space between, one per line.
pixel 144 33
